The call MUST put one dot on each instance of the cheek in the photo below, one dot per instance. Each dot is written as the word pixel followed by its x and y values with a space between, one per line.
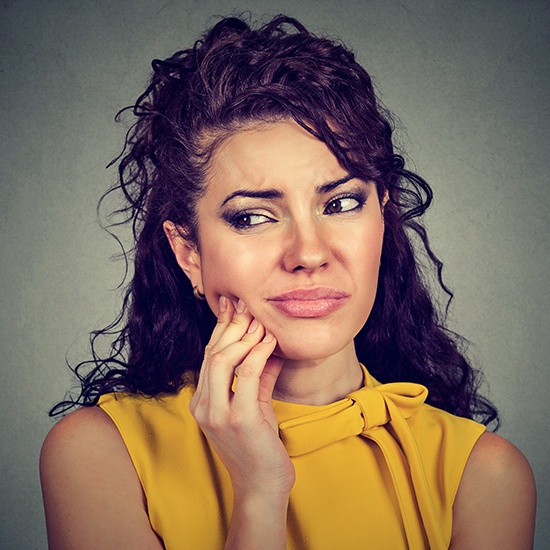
pixel 366 264
pixel 366 251
pixel 229 269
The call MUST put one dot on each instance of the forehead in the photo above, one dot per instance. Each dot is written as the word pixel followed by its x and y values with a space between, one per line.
pixel 271 154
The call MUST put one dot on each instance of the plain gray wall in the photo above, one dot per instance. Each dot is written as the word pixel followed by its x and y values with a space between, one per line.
pixel 470 83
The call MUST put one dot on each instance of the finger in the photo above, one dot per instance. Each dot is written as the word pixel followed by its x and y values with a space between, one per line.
pixel 225 314
pixel 222 365
pixel 228 332
pixel 226 311
pixel 268 378
pixel 249 373
pixel 234 324
pixel 221 359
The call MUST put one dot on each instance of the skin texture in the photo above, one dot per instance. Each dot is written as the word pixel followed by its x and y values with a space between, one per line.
pixel 92 495
pixel 298 235
pixel 495 505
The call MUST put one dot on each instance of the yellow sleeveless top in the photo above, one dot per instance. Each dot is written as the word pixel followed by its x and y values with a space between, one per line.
pixel 378 469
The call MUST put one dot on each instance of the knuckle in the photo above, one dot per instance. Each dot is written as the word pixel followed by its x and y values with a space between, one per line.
pixel 197 406
pixel 245 370
pixel 239 321
pixel 208 348
pixel 207 419
pixel 237 421
pixel 197 413
pixel 251 337
pixel 213 421
pixel 216 359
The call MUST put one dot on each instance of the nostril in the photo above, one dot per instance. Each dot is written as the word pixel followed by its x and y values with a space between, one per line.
pixel 313 267
pixel 307 250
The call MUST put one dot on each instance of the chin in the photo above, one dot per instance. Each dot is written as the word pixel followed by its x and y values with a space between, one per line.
pixel 314 339
pixel 304 349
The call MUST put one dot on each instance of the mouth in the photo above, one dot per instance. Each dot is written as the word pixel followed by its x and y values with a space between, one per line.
pixel 308 303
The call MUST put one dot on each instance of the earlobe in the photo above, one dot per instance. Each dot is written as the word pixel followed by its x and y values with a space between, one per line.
pixel 383 202
pixel 385 199
pixel 185 252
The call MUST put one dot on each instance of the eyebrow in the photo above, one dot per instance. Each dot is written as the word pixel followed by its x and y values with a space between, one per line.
pixel 277 194
pixel 327 187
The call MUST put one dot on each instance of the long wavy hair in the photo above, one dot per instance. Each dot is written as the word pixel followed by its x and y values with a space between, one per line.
pixel 236 76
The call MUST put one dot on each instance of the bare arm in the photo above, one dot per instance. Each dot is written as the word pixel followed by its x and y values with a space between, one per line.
pixel 92 495
pixel 495 503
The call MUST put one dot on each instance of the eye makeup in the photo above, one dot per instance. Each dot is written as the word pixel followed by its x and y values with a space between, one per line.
pixel 347 202
pixel 245 219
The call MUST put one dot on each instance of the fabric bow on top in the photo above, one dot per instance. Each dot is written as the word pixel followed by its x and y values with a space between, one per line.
pixel 361 411
pixel 368 412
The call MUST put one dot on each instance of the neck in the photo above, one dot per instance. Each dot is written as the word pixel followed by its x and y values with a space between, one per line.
pixel 319 381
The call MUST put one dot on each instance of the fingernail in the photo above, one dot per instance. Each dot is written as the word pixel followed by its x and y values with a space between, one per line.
pixel 240 306
pixel 222 304
pixel 253 326
pixel 268 338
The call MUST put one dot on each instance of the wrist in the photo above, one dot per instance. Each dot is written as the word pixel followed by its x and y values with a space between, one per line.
pixel 266 507
pixel 258 520
pixel 271 489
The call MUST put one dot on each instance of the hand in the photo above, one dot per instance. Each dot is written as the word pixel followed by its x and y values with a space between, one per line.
pixel 241 424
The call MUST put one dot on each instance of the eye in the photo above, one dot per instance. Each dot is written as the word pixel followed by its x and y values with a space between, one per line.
pixel 343 204
pixel 246 220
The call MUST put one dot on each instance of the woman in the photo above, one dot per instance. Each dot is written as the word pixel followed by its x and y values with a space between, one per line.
pixel 264 192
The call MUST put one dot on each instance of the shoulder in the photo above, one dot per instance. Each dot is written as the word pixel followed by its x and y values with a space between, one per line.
pixel 82 445
pixel 90 418
pixel 88 430
pixel 91 490
pixel 495 502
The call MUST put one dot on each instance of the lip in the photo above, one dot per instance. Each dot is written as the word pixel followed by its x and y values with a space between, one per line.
pixel 310 302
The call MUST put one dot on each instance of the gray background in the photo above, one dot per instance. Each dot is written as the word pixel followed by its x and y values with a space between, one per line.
pixel 470 82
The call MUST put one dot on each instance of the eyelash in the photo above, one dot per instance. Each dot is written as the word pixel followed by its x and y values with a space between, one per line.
pixel 235 219
pixel 360 198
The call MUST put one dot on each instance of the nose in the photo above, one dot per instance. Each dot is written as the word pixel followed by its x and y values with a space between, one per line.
pixel 308 248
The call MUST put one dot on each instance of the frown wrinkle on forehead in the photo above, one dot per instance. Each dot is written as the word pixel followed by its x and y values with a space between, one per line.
pixel 277 194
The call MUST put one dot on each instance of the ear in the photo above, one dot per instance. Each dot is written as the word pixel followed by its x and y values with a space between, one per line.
pixel 385 199
pixel 186 254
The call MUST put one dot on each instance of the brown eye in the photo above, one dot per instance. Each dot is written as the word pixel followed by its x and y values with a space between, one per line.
pixel 246 220
pixel 343 204
pixel 334 207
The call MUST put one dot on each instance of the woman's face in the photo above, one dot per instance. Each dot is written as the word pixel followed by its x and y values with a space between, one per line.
pixel 283 227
